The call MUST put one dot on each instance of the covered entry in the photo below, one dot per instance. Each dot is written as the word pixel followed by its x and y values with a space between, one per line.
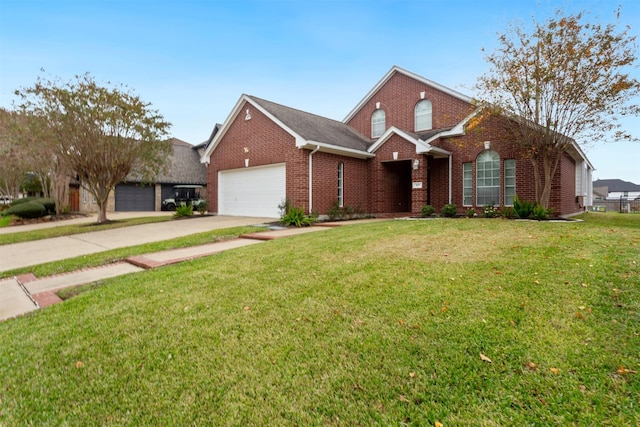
pixel 397 186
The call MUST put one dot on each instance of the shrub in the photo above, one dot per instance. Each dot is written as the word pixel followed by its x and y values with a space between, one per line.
pixel 49 204
pixel 427 210
pixel 296 217
pixel 202 207
pixel 489 211
pixel 523 208
pixel 337 212
pixel 449 210
pixel 183 211
pixel 471 213
pixel 284 207
pixel 27 210
pixel 509 212
pixel 540 213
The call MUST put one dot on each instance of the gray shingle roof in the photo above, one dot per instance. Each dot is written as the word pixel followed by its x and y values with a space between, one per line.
pixel 616 185
pixel 184 166
pixel 316 128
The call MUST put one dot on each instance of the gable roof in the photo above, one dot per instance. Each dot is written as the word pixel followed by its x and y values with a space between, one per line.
pixel 422 147
pixel 395 69
pixel 309 130
pixel 616 185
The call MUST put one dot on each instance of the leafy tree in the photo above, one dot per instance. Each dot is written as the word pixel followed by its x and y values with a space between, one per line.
pixel 102 134
pixel 566 80
pixel 12 163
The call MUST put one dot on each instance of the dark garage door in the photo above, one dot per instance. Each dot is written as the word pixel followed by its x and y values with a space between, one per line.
pixel 134 197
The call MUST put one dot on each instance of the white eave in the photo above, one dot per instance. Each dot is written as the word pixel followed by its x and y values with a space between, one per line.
pixel 396 69
pixel 334 149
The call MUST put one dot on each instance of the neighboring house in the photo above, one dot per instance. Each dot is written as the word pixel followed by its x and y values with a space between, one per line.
pixel 408 143
pixel 616 189
pixel 134 195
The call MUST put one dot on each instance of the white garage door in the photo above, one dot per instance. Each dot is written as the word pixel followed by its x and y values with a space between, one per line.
pixel 252 191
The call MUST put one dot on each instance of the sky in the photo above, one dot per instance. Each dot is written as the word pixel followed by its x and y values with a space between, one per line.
pixel 193 59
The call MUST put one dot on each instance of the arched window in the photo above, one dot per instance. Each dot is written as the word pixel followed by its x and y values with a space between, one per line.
pixel 340 184
pixel 488 178
pixel 378 123
pixel 423 115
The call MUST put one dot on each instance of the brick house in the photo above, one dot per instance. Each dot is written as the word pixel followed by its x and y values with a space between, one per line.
pixel 408 143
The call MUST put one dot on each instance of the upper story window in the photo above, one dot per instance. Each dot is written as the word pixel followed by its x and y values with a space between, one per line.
pixel 488 178
pixel 423 115
pixel 378 123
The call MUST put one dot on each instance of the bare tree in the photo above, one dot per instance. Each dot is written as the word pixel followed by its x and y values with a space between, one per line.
pixel 565 81
pixel 101 134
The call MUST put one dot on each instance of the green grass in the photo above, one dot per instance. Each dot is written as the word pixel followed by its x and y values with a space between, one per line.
pixel 114 255
pixel 372 324
pixel 5 220
pixel 66 230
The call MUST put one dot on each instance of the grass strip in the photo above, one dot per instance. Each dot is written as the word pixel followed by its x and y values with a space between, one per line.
pixel 115 255
pixel 67 230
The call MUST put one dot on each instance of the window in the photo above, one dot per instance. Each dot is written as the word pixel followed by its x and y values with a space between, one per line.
pixel 488 178
pixel 378 123
pixel 467 184
pixel 423 115
pixel 340 184
pixel 509 181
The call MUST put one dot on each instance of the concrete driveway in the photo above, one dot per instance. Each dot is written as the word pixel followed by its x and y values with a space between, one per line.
pixel 41 251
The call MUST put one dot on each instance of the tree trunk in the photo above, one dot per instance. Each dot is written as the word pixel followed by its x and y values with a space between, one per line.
pixel 550 163
pixel 102 212
pixel 102 198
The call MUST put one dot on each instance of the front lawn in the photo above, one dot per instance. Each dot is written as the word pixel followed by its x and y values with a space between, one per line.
pixel 463 322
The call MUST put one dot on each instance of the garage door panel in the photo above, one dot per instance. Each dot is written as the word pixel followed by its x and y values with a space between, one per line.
pixel 133 197
pixel 252 191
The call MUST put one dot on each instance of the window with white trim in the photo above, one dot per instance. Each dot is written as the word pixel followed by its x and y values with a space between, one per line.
pixel 488 178
pixel 423 115
pixel 378 123
pixel 467 184
pixel 340 184
pixel 509 181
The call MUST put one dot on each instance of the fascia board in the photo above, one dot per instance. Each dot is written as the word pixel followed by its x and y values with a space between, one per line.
pixel 334 149
pixel 387 134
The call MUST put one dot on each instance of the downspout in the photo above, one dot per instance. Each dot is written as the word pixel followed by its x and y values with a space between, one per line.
pixel 450 175
pixel 311 177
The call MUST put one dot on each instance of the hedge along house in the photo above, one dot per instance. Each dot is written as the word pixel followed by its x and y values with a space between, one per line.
pixel 408 143
pixel 183 167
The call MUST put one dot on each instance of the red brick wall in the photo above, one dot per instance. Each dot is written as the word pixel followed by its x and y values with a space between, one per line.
pixel 563 194
pixel 267 143
pixel 398 98
pixel 325 182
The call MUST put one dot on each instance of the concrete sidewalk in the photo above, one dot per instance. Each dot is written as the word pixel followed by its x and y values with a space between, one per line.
pixel 26 293
pixel 27 254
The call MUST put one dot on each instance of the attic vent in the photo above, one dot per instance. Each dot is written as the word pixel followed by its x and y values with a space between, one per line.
pixel 247 116
pixel 422 95
pixel 377 105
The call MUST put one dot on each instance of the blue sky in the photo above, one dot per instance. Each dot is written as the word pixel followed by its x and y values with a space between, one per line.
pixel 192 59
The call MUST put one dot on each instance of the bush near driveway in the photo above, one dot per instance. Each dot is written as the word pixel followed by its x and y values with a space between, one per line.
pixel 466 322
